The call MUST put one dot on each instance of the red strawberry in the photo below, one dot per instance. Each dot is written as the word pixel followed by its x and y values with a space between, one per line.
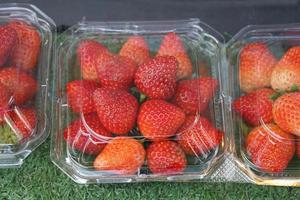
pixel 256 65
pixel 158 119
pixel 166 157
pixel 157 77
pixel 87 135
pixel 298 147
pixel 20 84
pixel 194 95
pixel 89 54
pixel 27 50
pixel 80 95
pixel 117 109
pixel 286 73
pixel 9 39
pixel 255 107
pixel 4 101
pixel 270 148
pixel 136 48
pixel 286 112
pixel 172 45
pixel 23 121
pixel 121 156
pixel 116 72
pixel 197 136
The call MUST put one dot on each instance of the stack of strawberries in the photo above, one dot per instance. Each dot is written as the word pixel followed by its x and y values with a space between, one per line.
pixel 114 122
pixel 270 105
pixel 19 53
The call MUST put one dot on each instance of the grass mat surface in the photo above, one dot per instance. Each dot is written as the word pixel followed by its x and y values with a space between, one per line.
pixel 38 178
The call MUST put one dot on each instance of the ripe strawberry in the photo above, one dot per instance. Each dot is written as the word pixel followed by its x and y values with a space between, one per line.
pixel 255 107
pixel 165 157
pixel 9 39
pixel 270 148
pixel 117 109
pixel 157 77
pixel 136 48
pixel 21 85
pixel 23 121
pixel 286 112
pixel 286 73
pixel 80 134
pixel 89 54
pixel 197 136
pixel 122 155
pixel 4 101
pixel 158 119
pixel 27 50
pixel 194 95
pixel 80 95
pixel 116 72
pixel 172 45
pixel 256 65
pixel 298 147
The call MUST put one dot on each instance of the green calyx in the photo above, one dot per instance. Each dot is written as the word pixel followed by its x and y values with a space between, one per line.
pixel 7 135
pixel 279 93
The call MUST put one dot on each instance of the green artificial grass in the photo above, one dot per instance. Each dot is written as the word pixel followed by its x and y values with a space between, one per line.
pixel 38 178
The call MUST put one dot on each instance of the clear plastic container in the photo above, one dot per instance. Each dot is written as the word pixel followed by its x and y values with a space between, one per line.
pixel 25 57
pixel 148 127
pixel 263 84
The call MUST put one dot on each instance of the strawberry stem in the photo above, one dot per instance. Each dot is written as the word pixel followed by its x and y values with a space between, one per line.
pixel 276 95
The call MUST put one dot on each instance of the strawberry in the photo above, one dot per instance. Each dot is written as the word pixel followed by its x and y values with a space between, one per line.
pixel 270 148
pixel 194 95
pixel 80 95
pixel 89 54
pixel 286 112
pixel 117 109
pixel 255 107
pixel 172 45
pixel 136 48
pixel 298 147
pixel 27 50
pixel 9 39
pixel 122 155
pixel 158 119
pixel 116 72
pixel 80 134
pixel 256 64
pixel 286 73
pixel 197 136
pixel 23 121
pixel 4 101
pixel 21 85
pixel 157 77
pixel 165 157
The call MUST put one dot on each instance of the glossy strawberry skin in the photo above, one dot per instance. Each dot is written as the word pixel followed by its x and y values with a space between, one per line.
pixel 24 121
pixel 286 112
pixel 286 73
pixel 194 95
pixel 87 135
pixel 256 63
pixel 166 157
pixel 80 95
pixel 122 155
pixel 157 77
pixel 117 109
pixel 197 136
pixel 21 85
pixel 255 108
pixel 172 45
pixel 158 119
pixel 269 148
pixel 116 72
pixel 27 50
pixel 136 48
pixel 4 101
pixel 9 39
pixel 89 55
